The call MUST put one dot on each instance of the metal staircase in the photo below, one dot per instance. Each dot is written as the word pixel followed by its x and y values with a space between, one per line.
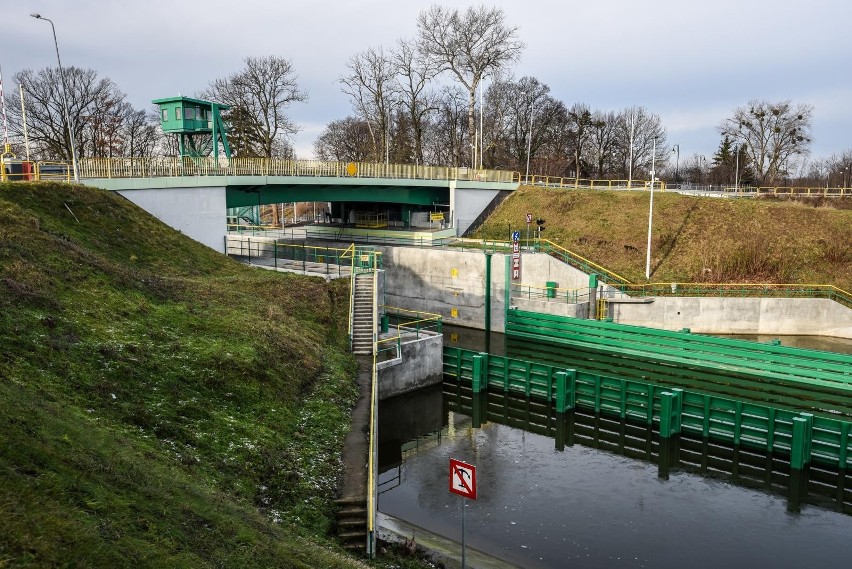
pixel 363 327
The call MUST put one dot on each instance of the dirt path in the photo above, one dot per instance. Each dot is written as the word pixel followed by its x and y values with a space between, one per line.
pixel 357 441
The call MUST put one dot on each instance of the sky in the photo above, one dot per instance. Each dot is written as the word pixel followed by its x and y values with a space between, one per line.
pixel 692 63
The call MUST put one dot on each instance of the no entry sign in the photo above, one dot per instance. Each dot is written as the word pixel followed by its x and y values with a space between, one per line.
pixel 462 479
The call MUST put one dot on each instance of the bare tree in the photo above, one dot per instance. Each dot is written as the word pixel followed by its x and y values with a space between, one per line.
pixel 413 75
pixel 446 135
pixel 603 143
pixel 640 131
pixel 469 44
pixel 369 82
pixel 260 95
pixel 774 135
pixel 89 97
pixel 344 141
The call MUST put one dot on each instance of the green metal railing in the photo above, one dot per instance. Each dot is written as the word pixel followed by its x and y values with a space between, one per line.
pixel 282 254
pixel 565 295
pixel 799 435
pixel 406 323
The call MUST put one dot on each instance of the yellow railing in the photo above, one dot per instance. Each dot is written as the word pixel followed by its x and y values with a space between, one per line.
pixel 421 321
pixel 567 295
pixel 177 166
pixel 374 401
pixel 788 191
pixel 549 246
pixel 586 183
pixel 36 171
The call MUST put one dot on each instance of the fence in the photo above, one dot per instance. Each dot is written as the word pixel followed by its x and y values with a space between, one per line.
pixel 409 323
pixel 183 166
pixel 800 435
pixel 306 258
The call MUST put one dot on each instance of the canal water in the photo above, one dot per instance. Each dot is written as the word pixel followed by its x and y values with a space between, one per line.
pixel 603 501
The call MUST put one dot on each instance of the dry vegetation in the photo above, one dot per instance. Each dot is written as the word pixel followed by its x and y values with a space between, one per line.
pixel 695 239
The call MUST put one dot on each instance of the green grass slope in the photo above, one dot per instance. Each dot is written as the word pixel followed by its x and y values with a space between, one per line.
pixel 160 404
pixel 695 239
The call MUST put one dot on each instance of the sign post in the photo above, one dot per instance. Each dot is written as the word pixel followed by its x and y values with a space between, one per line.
pixel 516 254
pixel 463 483
pixel 529 221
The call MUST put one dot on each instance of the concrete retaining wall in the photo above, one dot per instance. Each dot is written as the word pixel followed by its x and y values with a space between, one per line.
pixel 422 365
pixel 439 281
pixel 424 279
pixel 199 213
pixel 773 316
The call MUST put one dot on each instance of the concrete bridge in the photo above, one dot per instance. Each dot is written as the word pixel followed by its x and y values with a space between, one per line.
pixel 194 195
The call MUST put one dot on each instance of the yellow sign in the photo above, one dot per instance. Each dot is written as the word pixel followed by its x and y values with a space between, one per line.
pixel 351 169
pixel 454 337
pixel 454 273
pixel 436 216
pixel 454 312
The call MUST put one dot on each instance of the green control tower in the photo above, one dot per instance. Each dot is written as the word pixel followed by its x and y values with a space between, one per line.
pixel 197 123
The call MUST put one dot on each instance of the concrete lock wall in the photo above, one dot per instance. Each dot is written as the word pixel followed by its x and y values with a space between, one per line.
pixel 199 213
pixel 422 364
pixel 772 316
pixel 452 283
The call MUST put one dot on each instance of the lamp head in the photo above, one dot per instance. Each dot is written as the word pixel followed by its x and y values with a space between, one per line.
pixel 36 16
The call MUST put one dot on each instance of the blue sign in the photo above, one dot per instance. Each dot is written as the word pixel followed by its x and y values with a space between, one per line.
pixel 516 236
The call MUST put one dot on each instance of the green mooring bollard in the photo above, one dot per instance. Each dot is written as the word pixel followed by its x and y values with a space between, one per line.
pixel 666 405
pixel 797 446
pixel 477 373
pixel 385 323
pixel 561 391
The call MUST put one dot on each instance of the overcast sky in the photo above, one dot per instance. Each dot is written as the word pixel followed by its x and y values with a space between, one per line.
pixel 690 62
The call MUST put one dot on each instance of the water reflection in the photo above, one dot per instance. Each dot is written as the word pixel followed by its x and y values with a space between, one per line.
pixel 605 501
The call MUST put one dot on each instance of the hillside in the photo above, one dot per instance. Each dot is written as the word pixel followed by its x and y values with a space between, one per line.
pixel 161 405
pixel 695 239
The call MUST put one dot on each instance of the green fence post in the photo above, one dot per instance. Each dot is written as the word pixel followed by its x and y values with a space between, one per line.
pixel 477 373
pixel 666 405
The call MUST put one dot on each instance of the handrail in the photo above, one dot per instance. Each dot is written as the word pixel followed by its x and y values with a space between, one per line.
pixel 606 273
pixel 351 292
pixel 173 166
pixel 371 502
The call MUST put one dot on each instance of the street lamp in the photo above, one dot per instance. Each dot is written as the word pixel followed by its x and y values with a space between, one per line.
pixel 676 149
pixel 64 97
pixel 529 141
pixel 651 211
pixel 737 171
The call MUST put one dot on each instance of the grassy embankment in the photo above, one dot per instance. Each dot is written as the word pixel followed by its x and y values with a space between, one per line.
pixel 695 239
pixel 160 404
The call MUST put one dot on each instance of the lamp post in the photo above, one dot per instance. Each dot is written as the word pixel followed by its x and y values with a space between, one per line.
pixel 387 137
pixel 529 141
pixel 64 97
pixel 676 149
pixel 737 170
pixel 651 212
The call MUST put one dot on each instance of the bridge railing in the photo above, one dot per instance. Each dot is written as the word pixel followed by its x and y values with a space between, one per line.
pixel 175 166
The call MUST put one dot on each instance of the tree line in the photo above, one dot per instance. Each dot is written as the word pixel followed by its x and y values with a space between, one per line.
pixel 423 101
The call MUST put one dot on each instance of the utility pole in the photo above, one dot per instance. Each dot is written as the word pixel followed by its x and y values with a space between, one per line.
pixel 651 212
